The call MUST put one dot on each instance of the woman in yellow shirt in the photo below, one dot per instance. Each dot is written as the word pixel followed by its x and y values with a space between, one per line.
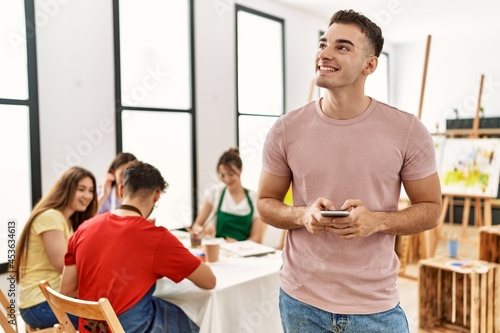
pixel 43 241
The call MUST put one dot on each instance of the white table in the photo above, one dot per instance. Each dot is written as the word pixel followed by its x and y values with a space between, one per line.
pixel 245 299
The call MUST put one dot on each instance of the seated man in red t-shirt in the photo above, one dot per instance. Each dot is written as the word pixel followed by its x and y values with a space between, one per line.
pixel 120 255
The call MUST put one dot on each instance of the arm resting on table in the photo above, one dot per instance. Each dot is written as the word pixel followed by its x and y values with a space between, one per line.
pixel 203 277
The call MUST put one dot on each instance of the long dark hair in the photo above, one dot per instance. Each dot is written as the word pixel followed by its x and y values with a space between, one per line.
pixel 59 196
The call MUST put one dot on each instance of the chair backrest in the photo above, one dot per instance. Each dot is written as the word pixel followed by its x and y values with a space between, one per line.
pixel 61 305
pixel 6 316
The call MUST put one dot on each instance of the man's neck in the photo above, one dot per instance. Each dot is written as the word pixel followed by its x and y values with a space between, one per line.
pixel 128 208
pixel 342 106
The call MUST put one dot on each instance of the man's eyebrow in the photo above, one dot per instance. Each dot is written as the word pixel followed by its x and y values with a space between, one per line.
pixel 338 41
pixel 344 41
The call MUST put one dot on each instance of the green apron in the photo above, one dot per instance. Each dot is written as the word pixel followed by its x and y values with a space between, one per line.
pixel 234 226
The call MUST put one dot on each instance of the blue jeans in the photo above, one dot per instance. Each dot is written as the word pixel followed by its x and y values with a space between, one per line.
pixel 299 317
pixel 41 316
pixel 154 315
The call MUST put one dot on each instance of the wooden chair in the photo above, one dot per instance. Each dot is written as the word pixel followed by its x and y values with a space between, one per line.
pixel 5 316
pixel 100 311
pixel 9 322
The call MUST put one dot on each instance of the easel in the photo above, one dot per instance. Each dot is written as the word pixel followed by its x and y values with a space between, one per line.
pixel 479 219
pixel 486 204
pixel 420 239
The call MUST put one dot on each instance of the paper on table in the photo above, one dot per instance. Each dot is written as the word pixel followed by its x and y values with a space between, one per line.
pixel 466 266
pixel 247 248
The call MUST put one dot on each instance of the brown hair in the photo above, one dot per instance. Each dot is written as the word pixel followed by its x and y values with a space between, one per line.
pixel 230 159
pixel 368 27
pixel 119 160
pixel 60 195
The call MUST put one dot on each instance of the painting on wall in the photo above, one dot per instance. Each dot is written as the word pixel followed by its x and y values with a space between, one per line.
pixel 470 167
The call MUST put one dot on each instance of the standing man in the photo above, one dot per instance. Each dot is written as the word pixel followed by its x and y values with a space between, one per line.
pixel 120 255
pixel 346 151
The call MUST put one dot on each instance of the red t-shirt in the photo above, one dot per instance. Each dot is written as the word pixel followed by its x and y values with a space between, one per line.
pixel 121 257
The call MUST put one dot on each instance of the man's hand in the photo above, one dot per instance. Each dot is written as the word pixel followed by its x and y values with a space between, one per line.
pixel 360 222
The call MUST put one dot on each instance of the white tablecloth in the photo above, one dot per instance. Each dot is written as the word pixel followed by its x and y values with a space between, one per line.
pixel 245 299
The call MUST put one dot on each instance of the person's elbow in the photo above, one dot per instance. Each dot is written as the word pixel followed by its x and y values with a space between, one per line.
pixel 436 214
pixel 433 212
pixel 203 277
pixel 69 281
pixel 68 291
pixel 210 283
pixel 58 267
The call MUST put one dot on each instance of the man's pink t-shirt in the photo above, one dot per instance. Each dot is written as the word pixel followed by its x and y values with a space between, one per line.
pixel 364 158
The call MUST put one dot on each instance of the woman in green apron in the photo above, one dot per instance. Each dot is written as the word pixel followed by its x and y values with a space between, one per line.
pixel 229 209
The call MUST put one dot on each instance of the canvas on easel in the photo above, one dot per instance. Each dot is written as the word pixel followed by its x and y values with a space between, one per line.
pixel 470 167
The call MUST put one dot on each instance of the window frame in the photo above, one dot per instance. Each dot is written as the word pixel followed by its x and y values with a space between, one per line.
pixel 33 108
pixel 239 114
pixel 119 107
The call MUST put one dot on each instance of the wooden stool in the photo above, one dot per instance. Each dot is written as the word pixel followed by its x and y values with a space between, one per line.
pixel 489 244
pixel 459 299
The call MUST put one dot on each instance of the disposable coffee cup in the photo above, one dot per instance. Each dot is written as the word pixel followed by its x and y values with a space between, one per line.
pixel 195 240
pixel 212 249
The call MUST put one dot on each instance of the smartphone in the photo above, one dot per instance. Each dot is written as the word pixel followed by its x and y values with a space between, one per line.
pixel 334 213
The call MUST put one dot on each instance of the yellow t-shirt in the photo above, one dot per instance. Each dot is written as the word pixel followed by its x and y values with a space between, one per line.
pixel 38 266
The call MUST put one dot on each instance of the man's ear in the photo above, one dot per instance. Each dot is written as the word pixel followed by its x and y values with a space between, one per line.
pixel 370 65
pixel 120 191
pixel 157 196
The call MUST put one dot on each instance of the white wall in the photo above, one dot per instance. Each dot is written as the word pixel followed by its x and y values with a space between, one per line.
pixel 76 86
pixel 453 77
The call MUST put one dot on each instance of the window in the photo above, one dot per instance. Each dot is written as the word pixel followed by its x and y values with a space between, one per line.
pixel 260 85
pixel 19 147
pixel 155 100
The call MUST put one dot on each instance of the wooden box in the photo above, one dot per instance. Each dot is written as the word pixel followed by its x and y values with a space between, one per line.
pixel 459 298
pixel 489 244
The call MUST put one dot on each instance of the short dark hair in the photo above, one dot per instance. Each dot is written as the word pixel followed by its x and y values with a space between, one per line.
pixel 142 179
pixel 368 27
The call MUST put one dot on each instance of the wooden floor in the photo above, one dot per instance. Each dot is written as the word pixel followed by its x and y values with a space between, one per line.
pixel 408 287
